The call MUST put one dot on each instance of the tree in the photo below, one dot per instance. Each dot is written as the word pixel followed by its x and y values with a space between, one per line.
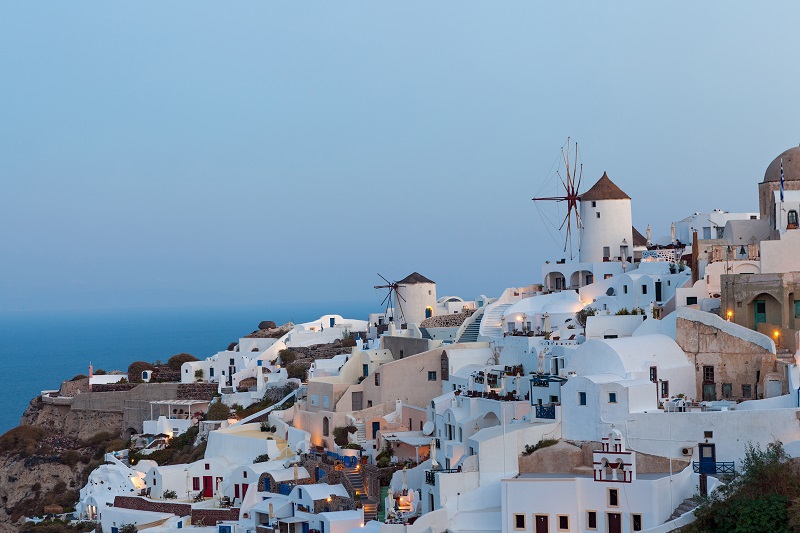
pixel 218 411
pixel 583 314
pixel 135 370
pixel 758 499
pixel 177 360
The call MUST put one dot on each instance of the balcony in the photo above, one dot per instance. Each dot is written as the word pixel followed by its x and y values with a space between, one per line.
pixel 546 411
pixel 714 468
pixel 430 475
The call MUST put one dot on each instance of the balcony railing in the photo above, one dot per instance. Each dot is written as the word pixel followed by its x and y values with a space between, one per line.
pixel 430 475
pixel 546 411
pixel 728 467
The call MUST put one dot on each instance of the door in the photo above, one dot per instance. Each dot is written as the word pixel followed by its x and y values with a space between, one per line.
pixel 333 321
pixel 658 291
pixel 358 400
pixel 614 522
pixel 708 458
pixel 305 527
pixel 760 307
pixel 709 392
pixel 245 486
pixel 376 426
pixel 235 491
pixel 208 486
pixel 773 388
pixel 541 523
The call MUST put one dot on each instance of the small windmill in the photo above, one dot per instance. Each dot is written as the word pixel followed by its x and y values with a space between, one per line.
pixel 392 294
pixel 571 182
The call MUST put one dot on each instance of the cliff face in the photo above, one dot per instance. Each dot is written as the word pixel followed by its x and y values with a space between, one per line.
pixel 48 457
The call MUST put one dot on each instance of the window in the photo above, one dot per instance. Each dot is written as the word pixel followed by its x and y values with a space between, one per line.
pixel 231 363
pixel 326 425
pixel 636 522
pixel 519 521
pixel 613 498
pixel 314 399
pixel 747 391
pixel 432 375
pixel 691 300
pixel 720 235
pixel 665 389
pixel 195 483
pixel 797 308
pixel 581 398
pixel 401 354
pixel 562 521
pixel 654 374
pixel 708 434
pixel 624 289
pixel 377 379
pixel 598 214
pixel 706 233
pixel 591 519
pixel 727 390
pixel 211 371
pixel 606 251
pixel 644 289
pixel 608 276
pixel 594 204
pixel 612 397
pixel 325 402
pixel 708 374
pixel 207 466
pixel 244 474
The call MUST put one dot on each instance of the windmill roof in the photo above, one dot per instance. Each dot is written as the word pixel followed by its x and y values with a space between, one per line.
pixel 604 189
pixel 638 238
pixel 416 277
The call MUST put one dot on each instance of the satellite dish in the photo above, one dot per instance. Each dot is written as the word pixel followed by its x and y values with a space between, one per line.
pixel 287 463
pixel 427 428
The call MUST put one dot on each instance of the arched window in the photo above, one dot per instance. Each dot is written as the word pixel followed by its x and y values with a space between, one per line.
pixel 325 427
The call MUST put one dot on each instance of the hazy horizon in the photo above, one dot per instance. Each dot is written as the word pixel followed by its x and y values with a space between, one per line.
pixel 188 154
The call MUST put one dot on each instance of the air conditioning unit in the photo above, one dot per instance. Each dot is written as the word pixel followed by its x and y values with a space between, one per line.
pixel 687 451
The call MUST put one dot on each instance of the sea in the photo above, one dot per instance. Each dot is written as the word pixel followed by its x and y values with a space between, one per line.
pixel 41 349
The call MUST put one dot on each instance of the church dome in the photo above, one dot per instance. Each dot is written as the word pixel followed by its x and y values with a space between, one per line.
pixel 791 166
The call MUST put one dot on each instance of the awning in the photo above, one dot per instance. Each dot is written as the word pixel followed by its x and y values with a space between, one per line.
pixel 292 520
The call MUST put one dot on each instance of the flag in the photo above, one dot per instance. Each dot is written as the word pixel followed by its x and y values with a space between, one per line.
pixel 781 179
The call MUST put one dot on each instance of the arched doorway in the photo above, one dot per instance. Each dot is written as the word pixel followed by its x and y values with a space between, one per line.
pixel 326 426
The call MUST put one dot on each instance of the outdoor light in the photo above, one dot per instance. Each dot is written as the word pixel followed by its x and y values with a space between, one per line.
pixel 730 314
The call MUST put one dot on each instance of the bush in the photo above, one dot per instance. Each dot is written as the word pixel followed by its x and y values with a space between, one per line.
pixel 583 314
pixel 70 457
pixel 348 342
pixel 177 360
pixel 544 443
pixel 170 495
pixel 218 411
pixel 128 528
pixel 297 370
pixel 22 440
pixel 79 377
pixel 263 458
pixel 623 311
pixel 340 434
pixel 100 372
pixel 135 370
pixel 287 356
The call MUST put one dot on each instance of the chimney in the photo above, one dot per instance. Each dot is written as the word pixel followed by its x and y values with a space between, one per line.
pixel 695 257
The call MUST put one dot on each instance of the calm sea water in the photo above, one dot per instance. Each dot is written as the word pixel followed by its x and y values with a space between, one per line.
pixel 39 350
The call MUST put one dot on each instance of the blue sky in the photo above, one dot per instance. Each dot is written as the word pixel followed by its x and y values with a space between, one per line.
pixel 198 153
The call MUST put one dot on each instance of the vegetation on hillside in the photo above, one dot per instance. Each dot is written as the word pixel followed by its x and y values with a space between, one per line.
pixel 765 496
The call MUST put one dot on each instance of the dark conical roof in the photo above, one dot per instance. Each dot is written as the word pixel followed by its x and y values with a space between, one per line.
pixel 414 278
pixel 638 238
pixel 604 189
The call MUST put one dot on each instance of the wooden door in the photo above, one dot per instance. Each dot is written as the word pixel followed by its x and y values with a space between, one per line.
pixel 358 401
pixel 614 522
pixel 541 523
pixel 208 486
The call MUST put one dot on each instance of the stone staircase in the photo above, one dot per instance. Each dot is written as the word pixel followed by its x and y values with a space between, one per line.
pixel 473 329
pixel 425 334
pixel 361 432
pixel 492 322
pixel 356 485
pixel 686 505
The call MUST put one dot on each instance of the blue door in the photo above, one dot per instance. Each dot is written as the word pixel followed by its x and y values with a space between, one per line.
pixel 114 530
pixel 760 308
pixel 224 529
pixel 708 458
pixel 333 321
pixel 305 527
pixel 376 426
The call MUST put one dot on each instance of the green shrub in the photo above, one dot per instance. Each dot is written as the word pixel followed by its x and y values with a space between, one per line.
pixel 297 370
pixel 583 314
pixel 544 443
pixel 100 372
pixel 218 411
pixel 170 495
pixel 128 528
pixel 340 434
pixel 177 360
pixel 287 356
pixel 79 377
pixel 263 458
pixel 199 374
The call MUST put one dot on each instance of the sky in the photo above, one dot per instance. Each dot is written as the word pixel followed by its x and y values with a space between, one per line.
pixel 206 154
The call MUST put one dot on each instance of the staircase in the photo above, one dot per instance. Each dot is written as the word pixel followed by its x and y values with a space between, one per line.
pixel 356 485
pixel 473 329
pixel 686 505
pixel 361 432
pixel 492 322
pixel 425 334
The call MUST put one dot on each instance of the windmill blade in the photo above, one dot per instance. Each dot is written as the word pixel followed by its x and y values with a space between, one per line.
pixel 399 296
pixel 384 279
pixel 386 298
pixel 397 300
pixel 566 219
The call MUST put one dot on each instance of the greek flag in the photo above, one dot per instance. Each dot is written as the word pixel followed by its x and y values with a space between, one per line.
pixel 781 179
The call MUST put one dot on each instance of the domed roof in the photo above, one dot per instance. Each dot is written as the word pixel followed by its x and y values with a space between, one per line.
pixel 791 166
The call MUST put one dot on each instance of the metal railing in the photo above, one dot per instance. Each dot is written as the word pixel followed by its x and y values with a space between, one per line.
pixel 430 475
pixel 725 467
pixel 546 411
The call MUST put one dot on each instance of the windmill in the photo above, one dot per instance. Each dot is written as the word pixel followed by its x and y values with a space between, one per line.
pixel 571 183
pixel 392 294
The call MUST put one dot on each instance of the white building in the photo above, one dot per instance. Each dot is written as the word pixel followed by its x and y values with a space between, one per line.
pixel 606 223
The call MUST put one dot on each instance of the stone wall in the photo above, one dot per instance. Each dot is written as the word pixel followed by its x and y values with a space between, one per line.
pixel 577 459
pixel 734 360
pixel 142 504
pixel 402 347
pixel 210 517
pixel 113 387
pixel 196 391
pixel 73 388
